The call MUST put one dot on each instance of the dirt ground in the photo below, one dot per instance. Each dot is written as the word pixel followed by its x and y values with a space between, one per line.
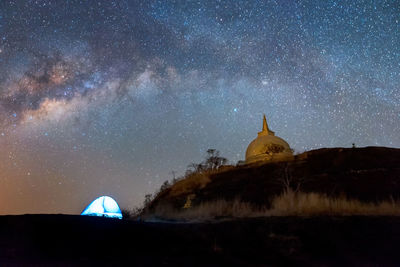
pixel 271 241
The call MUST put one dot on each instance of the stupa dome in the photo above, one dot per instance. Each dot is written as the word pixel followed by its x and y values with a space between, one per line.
pixel 268 147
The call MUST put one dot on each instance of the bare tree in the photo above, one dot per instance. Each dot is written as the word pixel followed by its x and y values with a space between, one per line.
pixel 195 167
pixel 164 186
pixel 288 181
pixel 213 160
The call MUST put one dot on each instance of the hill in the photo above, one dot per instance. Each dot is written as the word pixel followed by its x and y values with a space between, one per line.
pixel 367 175
pixel 356 178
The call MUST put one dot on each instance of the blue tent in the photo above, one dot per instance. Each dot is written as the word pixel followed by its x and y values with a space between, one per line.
pixel 104 207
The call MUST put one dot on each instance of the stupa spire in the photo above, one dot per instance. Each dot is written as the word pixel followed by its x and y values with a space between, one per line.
pixel 265 129
pixel 265 125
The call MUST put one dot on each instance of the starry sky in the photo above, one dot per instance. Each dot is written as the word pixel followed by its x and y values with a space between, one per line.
pixel 115 97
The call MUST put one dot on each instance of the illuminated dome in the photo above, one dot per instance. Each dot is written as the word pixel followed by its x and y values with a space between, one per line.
pixel 104 207
pixel 268 147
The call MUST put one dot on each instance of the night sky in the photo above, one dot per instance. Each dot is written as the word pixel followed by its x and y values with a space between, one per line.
pixel 111 97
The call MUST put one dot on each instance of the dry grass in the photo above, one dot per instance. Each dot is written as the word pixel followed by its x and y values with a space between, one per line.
pixel 196 180
pixel 191 183
pixel 308 204
pixel 204 211
pixel 287 204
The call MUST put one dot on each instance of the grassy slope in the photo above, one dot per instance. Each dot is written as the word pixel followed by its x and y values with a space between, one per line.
pixel 368 174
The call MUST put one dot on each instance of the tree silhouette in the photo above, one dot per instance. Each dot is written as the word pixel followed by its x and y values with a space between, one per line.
pixel 274 148
pixel 212 161
pixel 164 186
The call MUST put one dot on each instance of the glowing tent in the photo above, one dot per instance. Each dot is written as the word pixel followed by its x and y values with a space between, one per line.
pixel 104 207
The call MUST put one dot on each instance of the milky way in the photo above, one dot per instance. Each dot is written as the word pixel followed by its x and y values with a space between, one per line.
pixel 115 97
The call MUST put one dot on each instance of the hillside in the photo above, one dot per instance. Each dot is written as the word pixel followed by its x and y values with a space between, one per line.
pixel 369 174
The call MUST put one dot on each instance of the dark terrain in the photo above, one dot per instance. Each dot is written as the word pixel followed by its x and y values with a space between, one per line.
pixel 314 241
pixel 369 174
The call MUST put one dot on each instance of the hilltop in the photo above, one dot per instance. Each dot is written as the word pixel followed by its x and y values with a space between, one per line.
pixel 367 175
